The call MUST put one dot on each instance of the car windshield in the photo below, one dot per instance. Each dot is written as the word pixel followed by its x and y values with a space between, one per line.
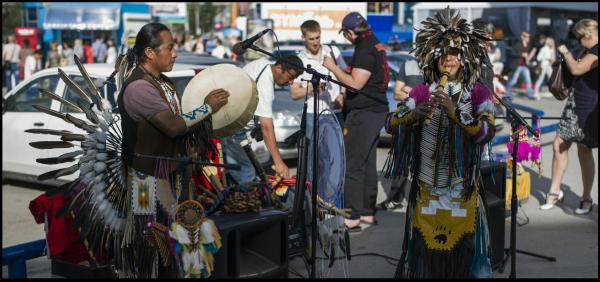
pixel 191 58
pixel 398 59
pixel 284 102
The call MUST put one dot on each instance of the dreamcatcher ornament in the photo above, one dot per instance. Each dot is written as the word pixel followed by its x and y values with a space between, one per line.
pixel 528 149
pixel 192 240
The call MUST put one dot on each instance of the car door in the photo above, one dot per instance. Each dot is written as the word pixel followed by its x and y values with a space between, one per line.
pixel 17 155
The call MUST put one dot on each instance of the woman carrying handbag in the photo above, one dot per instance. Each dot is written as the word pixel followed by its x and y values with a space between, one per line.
pixel 579 121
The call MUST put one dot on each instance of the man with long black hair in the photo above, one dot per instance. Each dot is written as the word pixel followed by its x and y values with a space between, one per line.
pixel 153 124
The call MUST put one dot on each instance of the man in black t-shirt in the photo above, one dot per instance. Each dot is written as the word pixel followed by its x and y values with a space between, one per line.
pixel 364 115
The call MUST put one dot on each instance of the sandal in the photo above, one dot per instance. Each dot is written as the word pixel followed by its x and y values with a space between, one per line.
pixel 583 208
pixel 374 222
pixel 558 197
pixel 352 229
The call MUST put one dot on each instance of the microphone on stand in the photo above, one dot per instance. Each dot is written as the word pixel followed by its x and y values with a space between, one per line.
pixel 241 47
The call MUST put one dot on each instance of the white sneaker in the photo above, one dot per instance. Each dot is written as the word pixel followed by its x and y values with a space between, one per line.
pixel 546 95
pixel 560 197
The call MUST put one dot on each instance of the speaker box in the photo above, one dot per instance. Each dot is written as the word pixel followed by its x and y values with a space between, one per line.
pixel 254 245
pixel 494 184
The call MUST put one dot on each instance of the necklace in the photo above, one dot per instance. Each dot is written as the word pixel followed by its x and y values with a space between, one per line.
pixel 170 93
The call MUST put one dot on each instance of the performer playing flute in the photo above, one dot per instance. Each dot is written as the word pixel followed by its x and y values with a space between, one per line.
pixel 448 124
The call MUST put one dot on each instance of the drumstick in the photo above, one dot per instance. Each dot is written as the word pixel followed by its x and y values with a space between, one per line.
pixel 276 180
pixel 211 173
pixel 221 161
pixel 210 194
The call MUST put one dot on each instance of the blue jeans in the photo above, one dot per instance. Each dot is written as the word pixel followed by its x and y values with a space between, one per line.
pixel 520 71
pixel 12 71
pixel 309 134
pixel 310 122
pixel 235 154
pixel 546 73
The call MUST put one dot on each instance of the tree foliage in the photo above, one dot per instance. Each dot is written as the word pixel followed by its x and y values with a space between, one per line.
pixel 11 17
pixel 207 12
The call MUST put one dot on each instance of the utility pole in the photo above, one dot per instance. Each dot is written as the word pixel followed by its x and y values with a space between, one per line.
pixel 234 14
pixel 198 30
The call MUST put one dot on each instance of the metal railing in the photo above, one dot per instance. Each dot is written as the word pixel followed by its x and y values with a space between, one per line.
pixel 535 113
pixel 15 257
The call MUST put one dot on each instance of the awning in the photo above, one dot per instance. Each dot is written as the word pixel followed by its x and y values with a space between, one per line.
pixel 174 20
pixel 82 18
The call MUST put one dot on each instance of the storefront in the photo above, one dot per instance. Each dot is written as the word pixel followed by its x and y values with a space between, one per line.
pixel 388 21
pixel 173 15
pixel 86 21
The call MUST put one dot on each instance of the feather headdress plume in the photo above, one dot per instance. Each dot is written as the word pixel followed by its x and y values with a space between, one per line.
pixel 446 30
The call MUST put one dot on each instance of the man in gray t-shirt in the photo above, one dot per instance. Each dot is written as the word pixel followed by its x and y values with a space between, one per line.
pixel 408 77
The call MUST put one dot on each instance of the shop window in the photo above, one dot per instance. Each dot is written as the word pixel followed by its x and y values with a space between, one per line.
pixel 380 8
pixel 82 18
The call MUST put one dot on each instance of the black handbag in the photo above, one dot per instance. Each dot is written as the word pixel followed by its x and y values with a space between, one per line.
pixel 561 80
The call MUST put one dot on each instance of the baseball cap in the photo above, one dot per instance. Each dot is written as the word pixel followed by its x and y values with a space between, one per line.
pixel 351 21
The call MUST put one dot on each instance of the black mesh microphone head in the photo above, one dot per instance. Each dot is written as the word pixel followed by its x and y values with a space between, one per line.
pixel 238 48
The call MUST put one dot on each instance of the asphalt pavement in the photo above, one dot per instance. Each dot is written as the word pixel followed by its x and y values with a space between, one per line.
pixel 572 239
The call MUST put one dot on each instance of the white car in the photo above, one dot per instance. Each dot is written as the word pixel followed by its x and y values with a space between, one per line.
pixel 287 117
pixel 18 158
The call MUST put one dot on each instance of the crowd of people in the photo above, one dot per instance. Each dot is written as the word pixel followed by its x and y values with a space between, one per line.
pixel 20 61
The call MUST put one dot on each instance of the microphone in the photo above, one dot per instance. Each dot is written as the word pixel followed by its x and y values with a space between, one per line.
pixel 240 47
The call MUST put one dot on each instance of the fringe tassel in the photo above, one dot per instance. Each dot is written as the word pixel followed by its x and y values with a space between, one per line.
pixel 198 141
pixel 407 242
pixel 144 255
pixel 481 266
pixel 426 263
pixel 400 154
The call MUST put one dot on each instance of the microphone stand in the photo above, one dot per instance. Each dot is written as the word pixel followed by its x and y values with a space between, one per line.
pixel 315 81
pixel 511 252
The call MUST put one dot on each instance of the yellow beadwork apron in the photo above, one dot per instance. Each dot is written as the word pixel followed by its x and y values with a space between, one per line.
pixel 443 219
